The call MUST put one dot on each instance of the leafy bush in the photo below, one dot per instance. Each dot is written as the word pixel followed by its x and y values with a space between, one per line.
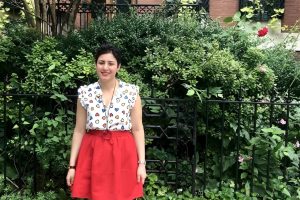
pixel 39 196
pixel 168 56
pixel 286 69
pixel 17 41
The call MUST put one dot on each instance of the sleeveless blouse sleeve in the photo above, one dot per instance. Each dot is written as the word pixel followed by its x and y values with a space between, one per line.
pixel 82 96
pixel 134 91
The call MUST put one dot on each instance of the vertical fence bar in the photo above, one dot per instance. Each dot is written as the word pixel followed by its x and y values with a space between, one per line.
pixel 287 118
pixel 269 151
pixel 66 115
pixel 4 130
pixel 152 90
pixel 238 132
pixel 66 123
pixel 34 150
pixel 19 132
pixel 253 148
pixel 206 135
pixel 222 141
pixel 286 133
pixel 177 135
pixel 194 166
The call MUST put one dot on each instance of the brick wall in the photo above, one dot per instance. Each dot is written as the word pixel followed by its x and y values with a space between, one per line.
pixel 291 12
pixel 219 9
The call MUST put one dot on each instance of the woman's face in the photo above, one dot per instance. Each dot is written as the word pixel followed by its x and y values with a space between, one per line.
pixel 107 67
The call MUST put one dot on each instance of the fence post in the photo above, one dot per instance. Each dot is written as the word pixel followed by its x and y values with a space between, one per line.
pixel 288 101
pixel 253 148
pixel 206 137
pixel 222 141
pixel 4 130
pixel 269 151
pixel 194 139
pixel 238 132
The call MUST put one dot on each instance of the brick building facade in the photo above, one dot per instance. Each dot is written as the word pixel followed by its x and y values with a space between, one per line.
pixel 291 12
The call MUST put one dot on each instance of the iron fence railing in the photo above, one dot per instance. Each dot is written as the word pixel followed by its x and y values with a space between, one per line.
pixel 173 127
pixel 88 12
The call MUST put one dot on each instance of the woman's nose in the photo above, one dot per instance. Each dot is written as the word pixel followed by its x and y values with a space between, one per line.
pixel 105 66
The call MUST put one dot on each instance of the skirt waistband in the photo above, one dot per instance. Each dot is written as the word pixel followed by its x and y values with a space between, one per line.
pixel 108 134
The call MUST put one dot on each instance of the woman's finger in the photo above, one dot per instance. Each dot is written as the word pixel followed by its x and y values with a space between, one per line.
pixel 138 178
pixel 68 181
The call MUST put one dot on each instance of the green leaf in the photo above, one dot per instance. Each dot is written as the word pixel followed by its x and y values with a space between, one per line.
pixel 247 9
pixel 273 129
pixel 237 17
pixel 16 126
pixel 244 175
pixel 190 92
pixel 55 139
pixel 33 128
pixel 51 67
pixel 286 192
pixel 228 162
pixel 59 96
pixel 228 19
pixel 26 123
pixel 249 15
pixel 247 188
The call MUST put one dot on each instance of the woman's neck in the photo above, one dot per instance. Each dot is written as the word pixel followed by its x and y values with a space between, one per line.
pixel 108 85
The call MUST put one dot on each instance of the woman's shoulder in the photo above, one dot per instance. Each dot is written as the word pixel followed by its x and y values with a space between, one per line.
pixel 88 87
pixel 129 86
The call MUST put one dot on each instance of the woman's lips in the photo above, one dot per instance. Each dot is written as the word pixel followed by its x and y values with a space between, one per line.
pixel 105 73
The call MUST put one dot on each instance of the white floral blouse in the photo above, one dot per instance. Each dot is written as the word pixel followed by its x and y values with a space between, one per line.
pixel 114 117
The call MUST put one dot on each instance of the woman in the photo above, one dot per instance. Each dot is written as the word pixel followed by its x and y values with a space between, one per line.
pixel 108 149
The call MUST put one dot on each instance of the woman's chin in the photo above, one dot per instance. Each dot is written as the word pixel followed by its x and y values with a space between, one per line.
pixel 105 78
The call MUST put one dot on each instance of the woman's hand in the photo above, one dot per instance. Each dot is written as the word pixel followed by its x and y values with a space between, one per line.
pixel 141 173
pixel 70 177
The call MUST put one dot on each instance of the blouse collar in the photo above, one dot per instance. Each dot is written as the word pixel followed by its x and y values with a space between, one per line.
pixel 98 90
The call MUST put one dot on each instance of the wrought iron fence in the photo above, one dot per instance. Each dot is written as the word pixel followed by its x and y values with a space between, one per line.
pixel 88 12
pixel 185 129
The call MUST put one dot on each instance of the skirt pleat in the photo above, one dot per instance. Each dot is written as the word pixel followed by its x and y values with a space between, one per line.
pixel 107 167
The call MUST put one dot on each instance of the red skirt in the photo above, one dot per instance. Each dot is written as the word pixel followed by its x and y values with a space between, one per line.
pixel 106 167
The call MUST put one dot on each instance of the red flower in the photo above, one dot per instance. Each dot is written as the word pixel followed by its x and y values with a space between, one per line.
pixel 262 32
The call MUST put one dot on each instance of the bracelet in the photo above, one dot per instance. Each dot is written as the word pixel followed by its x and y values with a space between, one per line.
pixel 72 167
pixel 143 162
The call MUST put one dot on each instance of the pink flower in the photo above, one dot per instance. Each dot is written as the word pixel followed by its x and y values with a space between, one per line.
pixel 241 159
pixel 282 121
pixel 297 144
pixel 262 32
